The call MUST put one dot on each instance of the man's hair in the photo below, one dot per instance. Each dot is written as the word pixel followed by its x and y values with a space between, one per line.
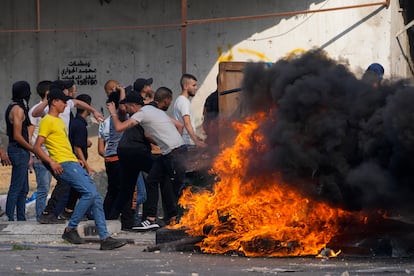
pixel 42 87
pixel 84 98
pixel 109 82
pixel 162 93
pixel 71 88
pixel 185 78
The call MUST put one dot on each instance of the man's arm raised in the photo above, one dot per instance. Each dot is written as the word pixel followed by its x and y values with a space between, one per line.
pixel 98 116
pixel 118 125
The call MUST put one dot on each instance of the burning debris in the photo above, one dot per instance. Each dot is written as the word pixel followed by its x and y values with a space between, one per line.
pixel 317 148
pixel 328 253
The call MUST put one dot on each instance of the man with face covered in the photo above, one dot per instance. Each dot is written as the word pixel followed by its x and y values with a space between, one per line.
pixel 18 129
pixel 143 87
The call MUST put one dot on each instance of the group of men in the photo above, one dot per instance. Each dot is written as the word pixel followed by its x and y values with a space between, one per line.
pixel 143 138
pixel 54 141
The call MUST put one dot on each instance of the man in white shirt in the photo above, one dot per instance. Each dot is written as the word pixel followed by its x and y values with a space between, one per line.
pixel 182 111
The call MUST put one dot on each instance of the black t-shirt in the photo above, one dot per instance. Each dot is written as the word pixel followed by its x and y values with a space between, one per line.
pixel 134 138
pixel 78 134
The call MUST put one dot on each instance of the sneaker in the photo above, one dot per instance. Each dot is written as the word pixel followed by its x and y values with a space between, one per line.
pixel 65 215
pixel 72 236
pixel 127 228
pixel 146 225
pixel 111 243
pixel 49 219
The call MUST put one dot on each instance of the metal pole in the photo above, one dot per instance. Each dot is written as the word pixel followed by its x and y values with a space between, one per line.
pixel 184 23
pixel 283 14
pixel 38 15
pixel 183 36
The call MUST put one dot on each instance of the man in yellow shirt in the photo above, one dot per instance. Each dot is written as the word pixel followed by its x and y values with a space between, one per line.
pixel 65 167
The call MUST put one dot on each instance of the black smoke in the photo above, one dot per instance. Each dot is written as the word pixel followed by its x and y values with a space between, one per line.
pixel 331 135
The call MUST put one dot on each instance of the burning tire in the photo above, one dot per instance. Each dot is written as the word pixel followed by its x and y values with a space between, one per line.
pixel 164 235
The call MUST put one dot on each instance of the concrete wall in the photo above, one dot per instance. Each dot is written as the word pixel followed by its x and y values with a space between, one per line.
pixel 356 36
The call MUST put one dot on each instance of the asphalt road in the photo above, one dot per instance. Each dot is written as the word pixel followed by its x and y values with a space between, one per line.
pixel 65 259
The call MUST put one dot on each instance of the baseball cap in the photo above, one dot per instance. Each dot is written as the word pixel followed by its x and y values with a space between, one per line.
pixel 62 84
pixel 377 69
pixel 57 94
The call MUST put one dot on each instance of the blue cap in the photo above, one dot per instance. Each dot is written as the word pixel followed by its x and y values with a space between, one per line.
pixel 377 69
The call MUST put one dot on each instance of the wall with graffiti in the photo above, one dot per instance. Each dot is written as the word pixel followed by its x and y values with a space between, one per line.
pixel 128 39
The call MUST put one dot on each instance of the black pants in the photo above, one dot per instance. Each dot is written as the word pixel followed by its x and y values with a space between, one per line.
pixel 72 199
pixel 168 171
pixel 113 171
pixel 132 161
pixel 57 195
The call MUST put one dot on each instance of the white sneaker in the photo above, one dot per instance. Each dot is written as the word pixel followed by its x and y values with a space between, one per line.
pixel 146 225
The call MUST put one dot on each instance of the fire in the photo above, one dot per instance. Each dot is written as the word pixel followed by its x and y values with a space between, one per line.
pixel 256 217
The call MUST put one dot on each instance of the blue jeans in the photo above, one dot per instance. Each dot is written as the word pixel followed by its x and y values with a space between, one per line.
pixel 43 179
pixel 76 177
pixel 141 191
pixel 141 195
pixel 19 182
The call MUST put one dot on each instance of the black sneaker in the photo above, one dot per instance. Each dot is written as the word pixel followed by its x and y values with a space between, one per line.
pixel 146 225
pixel 111 243
pixel 65 215
pixel 72 236
pixel 49 219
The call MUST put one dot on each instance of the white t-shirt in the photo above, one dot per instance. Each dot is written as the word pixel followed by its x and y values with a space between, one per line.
pixel 35 121
pixel 160 127
pixel 182 106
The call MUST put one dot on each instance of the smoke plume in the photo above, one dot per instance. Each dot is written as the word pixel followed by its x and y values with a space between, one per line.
pixel 333 136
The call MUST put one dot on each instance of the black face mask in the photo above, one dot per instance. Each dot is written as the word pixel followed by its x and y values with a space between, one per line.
pixel 26 100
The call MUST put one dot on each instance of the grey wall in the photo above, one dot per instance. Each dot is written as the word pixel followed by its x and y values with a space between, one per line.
pixel 127 54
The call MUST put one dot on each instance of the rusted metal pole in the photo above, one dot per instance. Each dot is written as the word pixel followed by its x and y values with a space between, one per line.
pixel 74 30
pixel 185 23
pixel 283 14
pixel 183 36
pixel 38 15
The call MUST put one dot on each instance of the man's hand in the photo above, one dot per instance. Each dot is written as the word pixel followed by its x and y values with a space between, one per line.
pixel 5 161
pixel 98 116
pixel 90 171
pixel 200 143
pixel 111 108
pixel 56 168
pixel 81 163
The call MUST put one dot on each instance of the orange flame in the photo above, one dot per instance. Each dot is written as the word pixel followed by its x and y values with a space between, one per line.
pixel 256 217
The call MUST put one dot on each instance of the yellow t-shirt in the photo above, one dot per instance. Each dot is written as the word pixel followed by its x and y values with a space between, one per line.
pixel 57 140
